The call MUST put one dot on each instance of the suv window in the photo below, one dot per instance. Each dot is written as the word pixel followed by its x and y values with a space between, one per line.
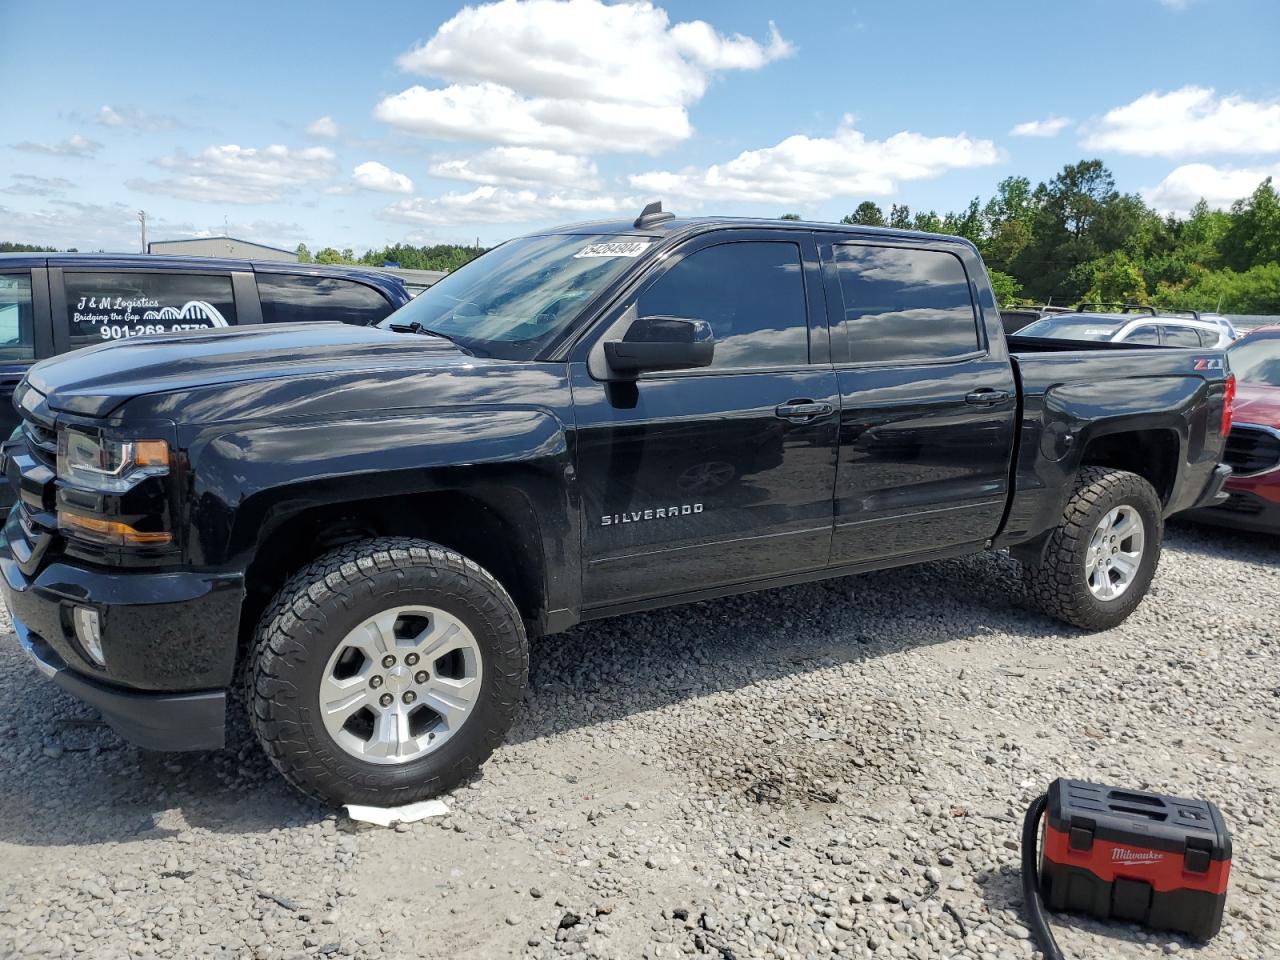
pixel 113 306
pixel 902 304
pixel 296 299
pixel 1147 333
pixel 1181 336
pixel 752 294
pixel 16 317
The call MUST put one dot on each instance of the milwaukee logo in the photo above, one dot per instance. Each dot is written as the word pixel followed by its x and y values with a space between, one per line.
pixel 658 513
pixel 1133 857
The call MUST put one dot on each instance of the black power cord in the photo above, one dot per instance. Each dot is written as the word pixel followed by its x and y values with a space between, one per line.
pixel 1031 879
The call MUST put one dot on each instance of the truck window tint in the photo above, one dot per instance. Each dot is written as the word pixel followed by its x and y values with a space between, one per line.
pixel 1181 337
pixel 114 306
pixel 903 305
pixel 752 294
pixel 1144 334
pixel 16 317
pixel 297 299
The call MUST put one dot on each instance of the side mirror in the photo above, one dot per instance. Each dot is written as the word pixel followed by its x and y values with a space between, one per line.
pixel 660 343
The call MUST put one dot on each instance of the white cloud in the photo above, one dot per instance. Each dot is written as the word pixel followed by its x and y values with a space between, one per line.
pixel 375 176
pixel 804 169
pixel 1049 127
pixel 1188 122
pixel 235 174
pixel 129 119
pixel 578 76
pixel 30 185
pixel 1218 186
pixel 489 204
pixel 521 166
pixel 490 113
pixel 74 146
pixel 323 127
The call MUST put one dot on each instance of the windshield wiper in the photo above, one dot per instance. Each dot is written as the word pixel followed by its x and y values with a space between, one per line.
pixel 413 326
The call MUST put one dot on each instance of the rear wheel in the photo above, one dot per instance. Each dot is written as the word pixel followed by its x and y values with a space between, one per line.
pixel 385 672
pixel 1100 560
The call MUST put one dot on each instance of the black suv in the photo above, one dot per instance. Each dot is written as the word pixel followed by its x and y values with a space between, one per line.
pixel 52 303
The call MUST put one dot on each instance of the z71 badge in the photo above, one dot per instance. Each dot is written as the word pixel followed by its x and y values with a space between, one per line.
pixel 657 513
pixel 1209 363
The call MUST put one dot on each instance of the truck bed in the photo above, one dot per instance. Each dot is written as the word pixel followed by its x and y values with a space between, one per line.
pixel 1083 402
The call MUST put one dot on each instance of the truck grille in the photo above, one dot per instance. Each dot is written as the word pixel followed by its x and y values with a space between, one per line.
pixel 42 441
pixel 31 467
pixel 1252 449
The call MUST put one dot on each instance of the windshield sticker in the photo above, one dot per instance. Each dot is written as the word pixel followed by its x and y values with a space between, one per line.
pixel 115 318
pixel 613 248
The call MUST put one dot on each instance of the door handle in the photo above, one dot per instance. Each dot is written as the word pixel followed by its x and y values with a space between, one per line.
pixel 802 410
pixel 986 397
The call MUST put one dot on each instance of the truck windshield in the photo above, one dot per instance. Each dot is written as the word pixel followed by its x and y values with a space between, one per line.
pixel 512 300
pixel 1072 328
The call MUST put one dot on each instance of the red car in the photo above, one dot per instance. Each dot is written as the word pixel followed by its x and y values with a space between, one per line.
pixel 1253 446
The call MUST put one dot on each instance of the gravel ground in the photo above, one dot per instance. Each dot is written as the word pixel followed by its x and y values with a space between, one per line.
pixel 835 769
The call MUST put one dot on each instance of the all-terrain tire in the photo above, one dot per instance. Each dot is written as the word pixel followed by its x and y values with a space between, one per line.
pixel 310 616
pixel 1059 584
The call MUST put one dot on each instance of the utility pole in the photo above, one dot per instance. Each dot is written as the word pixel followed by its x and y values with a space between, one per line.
pixel 142 219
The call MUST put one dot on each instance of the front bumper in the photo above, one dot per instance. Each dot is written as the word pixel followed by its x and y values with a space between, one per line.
pixel 154 721
pixel 1241 510
pixel 169 640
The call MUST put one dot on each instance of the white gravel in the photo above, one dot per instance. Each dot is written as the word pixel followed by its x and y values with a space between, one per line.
pixel 836 769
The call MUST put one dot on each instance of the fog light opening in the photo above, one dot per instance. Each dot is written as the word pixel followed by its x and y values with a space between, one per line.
pixel 89 633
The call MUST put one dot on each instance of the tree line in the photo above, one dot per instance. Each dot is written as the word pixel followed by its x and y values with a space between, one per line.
pixel 1077 238
pixel 442 256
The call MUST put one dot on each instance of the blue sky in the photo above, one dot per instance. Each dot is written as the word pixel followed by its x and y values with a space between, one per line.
pixel 358 126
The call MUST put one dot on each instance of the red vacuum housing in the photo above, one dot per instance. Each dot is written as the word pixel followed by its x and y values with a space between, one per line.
pixel 1127 855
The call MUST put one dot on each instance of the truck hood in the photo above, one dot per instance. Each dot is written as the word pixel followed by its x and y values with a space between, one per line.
pixel 96 380
pixel 1256 403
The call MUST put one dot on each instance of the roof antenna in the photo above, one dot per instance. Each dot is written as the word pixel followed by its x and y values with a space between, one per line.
pixel 652 215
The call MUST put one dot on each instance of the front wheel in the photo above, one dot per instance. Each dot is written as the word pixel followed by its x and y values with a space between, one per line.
pixel 385 672
pixel 1099 561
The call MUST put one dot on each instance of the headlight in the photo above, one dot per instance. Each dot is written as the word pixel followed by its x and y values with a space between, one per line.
pixel 107 465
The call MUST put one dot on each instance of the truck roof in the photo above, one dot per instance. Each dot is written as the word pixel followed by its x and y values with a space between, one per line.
pixel 139 261
pixel 676 226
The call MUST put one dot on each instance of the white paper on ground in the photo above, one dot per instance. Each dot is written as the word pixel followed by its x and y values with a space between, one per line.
pixel 386 816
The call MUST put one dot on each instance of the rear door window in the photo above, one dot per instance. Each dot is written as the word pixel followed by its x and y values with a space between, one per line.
pixel 1144 334
pixel 905 305
pixel 104 306
pixel 17 340
pixel 300 299
pixel 1181 336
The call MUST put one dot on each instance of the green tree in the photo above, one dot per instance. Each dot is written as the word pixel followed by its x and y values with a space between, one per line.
pixel 900 216
pixel 929 222
pixel 868 214
pixel 790 216
pixel 303 254
pixel 1114 278
pixel 1253 236
pixel 1005 287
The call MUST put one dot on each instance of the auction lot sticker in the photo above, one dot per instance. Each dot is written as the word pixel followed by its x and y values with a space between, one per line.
pixel 613 248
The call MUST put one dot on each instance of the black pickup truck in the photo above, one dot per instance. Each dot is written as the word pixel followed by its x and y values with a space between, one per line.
pixel 358 528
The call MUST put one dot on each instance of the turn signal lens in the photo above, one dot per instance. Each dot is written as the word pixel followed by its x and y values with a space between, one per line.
pixel 150 453
pixel 98 530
